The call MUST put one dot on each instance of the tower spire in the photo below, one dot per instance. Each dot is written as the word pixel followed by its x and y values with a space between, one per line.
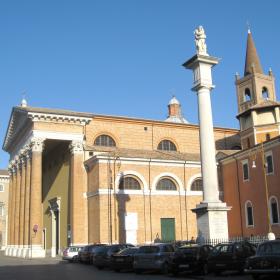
pixel 252 63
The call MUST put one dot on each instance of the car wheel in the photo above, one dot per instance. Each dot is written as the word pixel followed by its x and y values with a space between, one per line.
pixel 255 276
pixel 100 267
pixel 217 273
pixel 116 270
pixel 204 270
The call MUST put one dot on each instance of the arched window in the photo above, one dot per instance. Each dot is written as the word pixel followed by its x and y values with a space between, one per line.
pixel 249 214
pixel 166 184
pixel 247 94
pixel 197 185
pixel 129 183
pixel 166 145
pixel 264 93
pixel 105 140
pixel 274 215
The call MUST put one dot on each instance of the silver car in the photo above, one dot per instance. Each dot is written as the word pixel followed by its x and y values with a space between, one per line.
pixel 153 257
pixel 71 253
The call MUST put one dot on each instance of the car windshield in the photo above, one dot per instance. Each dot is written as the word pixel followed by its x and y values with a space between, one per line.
pixel 269 248
pixel 149 249
pixel 128 251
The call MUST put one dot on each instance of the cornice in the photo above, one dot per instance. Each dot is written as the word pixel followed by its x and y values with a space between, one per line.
pixel 44 117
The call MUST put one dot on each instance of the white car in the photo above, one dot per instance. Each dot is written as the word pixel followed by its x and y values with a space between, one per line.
pixel 71 253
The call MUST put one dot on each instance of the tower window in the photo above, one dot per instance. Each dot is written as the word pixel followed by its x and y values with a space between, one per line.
pixel 269 163
pixel 274 211
pixel 264 93
pixel 267 137
pixel 166 145
pixel 245 168
pixel 247 94
pixel 249 214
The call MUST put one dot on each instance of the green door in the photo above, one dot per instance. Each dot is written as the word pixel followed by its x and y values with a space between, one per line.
pixel 167 229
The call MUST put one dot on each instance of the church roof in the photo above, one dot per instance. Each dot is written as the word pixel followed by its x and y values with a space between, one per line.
pixel 146 154
pixel 252 58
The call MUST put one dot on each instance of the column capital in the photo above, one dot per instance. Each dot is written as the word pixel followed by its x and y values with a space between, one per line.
pixel 76 146
pixel 37 144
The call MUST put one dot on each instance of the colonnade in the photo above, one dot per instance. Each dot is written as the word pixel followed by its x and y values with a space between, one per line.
pixel 25 202
pixel 25 226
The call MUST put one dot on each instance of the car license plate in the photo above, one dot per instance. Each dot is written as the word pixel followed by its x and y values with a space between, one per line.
pixel 119 260
pixel 220 264
pixel 184 265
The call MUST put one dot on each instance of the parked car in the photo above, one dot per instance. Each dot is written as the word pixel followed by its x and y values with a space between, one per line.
pixel 85 255
pixel 191 258
pixel 71 253
pixel 266 261
pixel 123 260
pixel 153 257
pixel 102 256
pixel 230 256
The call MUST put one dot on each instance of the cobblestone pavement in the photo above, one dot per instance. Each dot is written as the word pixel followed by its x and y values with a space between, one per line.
pixel 55 268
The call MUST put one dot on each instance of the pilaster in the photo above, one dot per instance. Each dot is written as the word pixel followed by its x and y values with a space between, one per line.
pixel 17 202
pixel 36 211
pixel 78 204
pixel 26 240
pixel 22 200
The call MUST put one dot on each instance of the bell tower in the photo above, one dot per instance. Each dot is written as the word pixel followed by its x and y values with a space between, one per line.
pixel 258 110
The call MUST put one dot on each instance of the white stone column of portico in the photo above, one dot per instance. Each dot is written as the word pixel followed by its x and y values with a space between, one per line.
pixel 78 203
pixel 21 204
pixel 26 237
pixel 12 212
pixel 211 212
pixel 17 207
pixel 36 209
pixel 10 201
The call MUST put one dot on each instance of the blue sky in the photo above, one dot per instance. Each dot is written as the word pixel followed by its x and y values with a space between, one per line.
pixel 124 57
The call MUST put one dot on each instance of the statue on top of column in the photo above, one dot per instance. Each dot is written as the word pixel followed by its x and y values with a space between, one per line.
pixel 200 36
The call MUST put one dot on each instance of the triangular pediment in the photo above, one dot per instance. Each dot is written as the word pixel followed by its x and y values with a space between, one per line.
pixel 18 119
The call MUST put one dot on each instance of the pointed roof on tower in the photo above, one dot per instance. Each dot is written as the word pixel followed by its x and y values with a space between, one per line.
pixel 252 58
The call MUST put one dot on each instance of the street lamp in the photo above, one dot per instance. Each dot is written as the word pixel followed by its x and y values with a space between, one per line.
pixel 270 235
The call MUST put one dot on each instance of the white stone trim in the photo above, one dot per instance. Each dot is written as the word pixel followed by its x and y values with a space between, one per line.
pixel 152 162
pixel 58 135
pixel 105 191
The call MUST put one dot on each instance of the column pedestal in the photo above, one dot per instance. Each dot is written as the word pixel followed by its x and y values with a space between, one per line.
pixel 212 220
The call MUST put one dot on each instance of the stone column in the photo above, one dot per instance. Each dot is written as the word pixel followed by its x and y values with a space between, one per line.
pixel 13 208
pixel 22 201
pixel 8 247
pixel 26 239
pixel 78 204
pixel 36 208
pixel 17 206
pixel 211 213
